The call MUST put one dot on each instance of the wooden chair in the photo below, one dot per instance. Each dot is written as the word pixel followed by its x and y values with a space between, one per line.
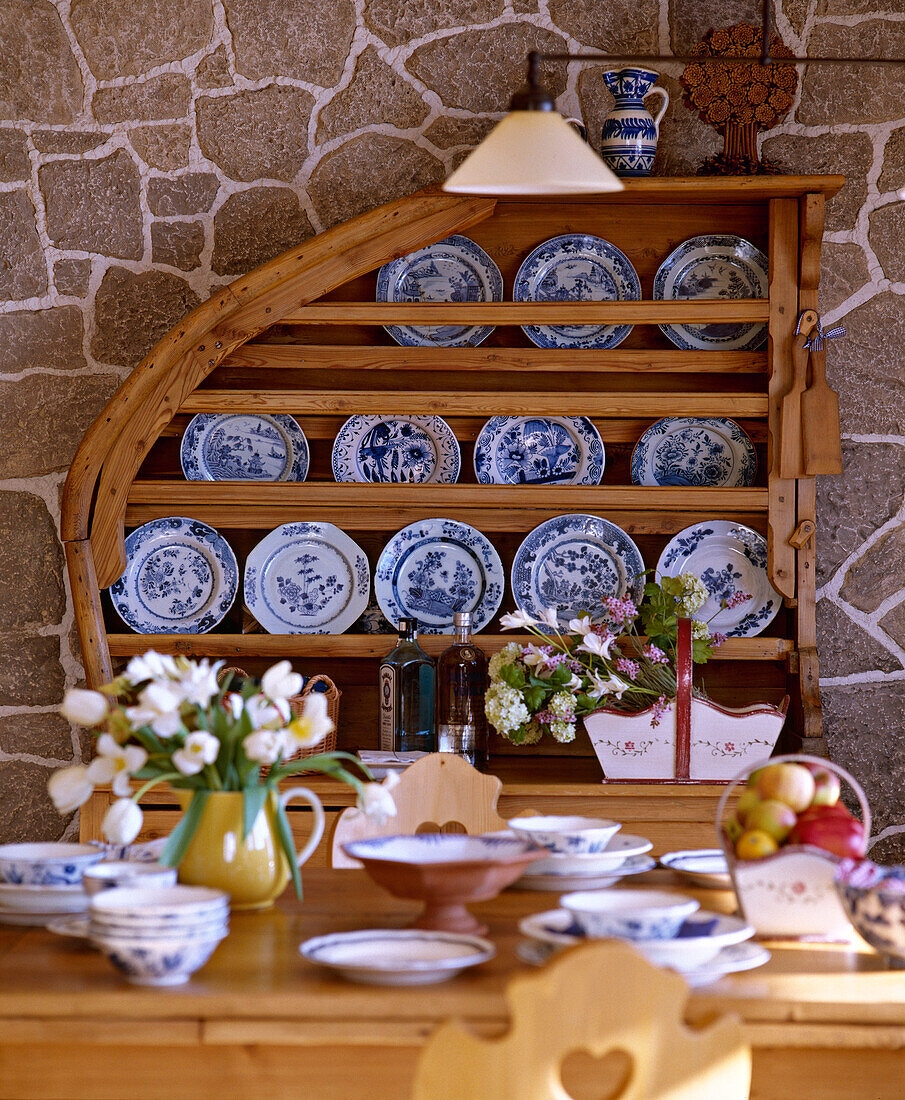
pixel 597 999
pixel 440 792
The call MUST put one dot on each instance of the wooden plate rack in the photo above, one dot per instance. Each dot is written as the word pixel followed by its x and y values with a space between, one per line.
pixel 302 335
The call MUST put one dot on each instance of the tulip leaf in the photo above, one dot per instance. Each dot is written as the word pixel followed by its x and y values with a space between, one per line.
pixel 288 845
pixel 180 838
pixel 253 799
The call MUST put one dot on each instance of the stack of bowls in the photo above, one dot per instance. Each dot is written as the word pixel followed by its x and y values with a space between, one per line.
pixel 160 936
pixel 41 881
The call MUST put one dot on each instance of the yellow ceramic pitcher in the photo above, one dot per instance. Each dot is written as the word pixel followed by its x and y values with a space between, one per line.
pixel 254 870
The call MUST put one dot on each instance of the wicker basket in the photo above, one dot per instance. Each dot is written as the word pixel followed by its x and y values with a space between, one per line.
pixel 330 692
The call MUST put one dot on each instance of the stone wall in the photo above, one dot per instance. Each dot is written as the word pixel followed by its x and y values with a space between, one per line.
pixel 152 151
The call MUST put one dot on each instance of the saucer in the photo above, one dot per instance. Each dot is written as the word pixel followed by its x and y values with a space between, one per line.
pixel 685 952
pixel 620 848
pixel 74 927
pixel 397 956
pixel 560 881
pixel 16 898
pixel 705 867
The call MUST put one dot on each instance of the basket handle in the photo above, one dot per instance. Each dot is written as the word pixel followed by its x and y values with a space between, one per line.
pixel 683 698
pixel 794 758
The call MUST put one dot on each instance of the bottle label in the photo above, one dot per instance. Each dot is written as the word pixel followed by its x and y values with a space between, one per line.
pixel 387 708
pixel 456 737
pixel 466 653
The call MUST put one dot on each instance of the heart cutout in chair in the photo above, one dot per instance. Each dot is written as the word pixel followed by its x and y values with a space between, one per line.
pixel 446 827
pixel 585 1077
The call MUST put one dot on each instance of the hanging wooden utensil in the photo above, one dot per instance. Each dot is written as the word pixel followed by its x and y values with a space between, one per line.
pixel 791 459
pixel 821 439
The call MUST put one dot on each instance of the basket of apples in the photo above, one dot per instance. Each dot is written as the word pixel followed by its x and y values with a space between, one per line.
pixel 784 841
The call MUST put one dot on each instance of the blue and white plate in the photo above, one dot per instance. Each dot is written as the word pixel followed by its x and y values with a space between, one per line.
pixel 729 558
pixel 576 267
pixel 559 880
pixel 694 450
pixel 393 956
pixel 413 449
pixel 539 450
pixel 307 578
pixel 454 270
pixel 571 563
pixel 244 447
pixel 181 577
pixel 434 568
pixel 714 266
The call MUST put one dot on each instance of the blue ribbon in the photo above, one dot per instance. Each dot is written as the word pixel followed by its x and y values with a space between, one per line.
pixel 819 335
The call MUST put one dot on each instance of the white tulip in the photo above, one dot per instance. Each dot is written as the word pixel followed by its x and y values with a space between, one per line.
pixel 115 764
pixel 70 788
pixel 534 656
pixel 550 617
pixel 265 714
pixel 612 685
pixel 200 749
pixel 198 683
pixel 574 683
pixel 280 682
pixel 581 625
pixel 84 708
pixel 122 822
pixel 375 801
pixel 312 725
pixel 151 666
pixel 265 746
pixel 597 646
pixel 158 707
pixel 516 620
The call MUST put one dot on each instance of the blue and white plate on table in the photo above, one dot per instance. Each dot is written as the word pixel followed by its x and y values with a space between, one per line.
pixel 714 266
pixel 307 578
pixel 619 850
pixel 576 267
pixel 560 880
pixel 571 563
pixel 694 450
pixel 539 450
pixel 453 270
pixel 244 447
pixel 401 449
pixel 703 867
pixel 435 567
pixel 730 559
pixel 181 577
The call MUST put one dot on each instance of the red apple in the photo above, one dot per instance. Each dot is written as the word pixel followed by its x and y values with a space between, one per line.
pixel 834 831
pixel 789 783
pixel 774 818
pixel 826 787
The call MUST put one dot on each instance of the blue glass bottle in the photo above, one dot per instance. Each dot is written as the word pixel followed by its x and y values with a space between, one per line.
pixel 407 688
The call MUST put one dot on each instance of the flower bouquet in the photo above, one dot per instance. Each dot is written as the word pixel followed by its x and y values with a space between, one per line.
pixel 167 719
pixel 631 687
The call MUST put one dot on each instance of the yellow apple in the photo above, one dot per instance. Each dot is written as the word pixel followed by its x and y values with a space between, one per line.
pixel 772 817
pixel 789 783
pixel 755 844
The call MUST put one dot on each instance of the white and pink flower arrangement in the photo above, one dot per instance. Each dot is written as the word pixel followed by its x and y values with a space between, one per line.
pixel 168 719
pixel 602 660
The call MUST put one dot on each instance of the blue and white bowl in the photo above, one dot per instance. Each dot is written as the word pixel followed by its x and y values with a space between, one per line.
pixel 149 961
pixel 629 914
pixel 48 863
pixel 566 834
pixel 873 898
pixel 168 906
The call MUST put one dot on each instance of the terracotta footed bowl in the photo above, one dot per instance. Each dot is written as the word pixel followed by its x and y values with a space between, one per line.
pixel 446 871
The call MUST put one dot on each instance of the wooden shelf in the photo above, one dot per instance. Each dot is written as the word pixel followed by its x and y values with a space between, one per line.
pixel 346 357
pixel 225 504
pixel 485 403
pixel 273 646
pixel 529 313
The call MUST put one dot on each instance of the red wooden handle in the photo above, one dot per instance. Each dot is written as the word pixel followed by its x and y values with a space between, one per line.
pixel 683 699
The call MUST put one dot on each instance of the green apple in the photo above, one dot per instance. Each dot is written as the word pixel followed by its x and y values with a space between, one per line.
pixel 747 800
pixel 789 783
pixel 772 817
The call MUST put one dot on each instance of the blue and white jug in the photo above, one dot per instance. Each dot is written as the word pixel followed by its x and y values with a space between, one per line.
pixel 630 131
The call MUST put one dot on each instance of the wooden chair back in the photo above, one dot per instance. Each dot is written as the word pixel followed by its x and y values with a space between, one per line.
pixel 597 999
pixel 440 792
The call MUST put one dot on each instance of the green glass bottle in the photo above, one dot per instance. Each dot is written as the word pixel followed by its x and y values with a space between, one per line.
pixel 407 688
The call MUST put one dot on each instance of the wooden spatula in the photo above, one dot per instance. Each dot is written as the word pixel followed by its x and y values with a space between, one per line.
pixel 820 421
pixel 791 459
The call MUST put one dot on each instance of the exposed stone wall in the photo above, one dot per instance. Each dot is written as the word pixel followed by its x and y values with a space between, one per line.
pixel 151 151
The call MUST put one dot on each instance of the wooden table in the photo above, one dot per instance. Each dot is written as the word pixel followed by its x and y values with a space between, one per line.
pixel 259 1021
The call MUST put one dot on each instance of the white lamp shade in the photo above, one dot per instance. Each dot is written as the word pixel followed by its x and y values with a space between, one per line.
pixel 532 153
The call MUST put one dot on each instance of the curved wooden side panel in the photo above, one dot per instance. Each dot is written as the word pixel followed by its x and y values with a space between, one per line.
pixel 300 275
